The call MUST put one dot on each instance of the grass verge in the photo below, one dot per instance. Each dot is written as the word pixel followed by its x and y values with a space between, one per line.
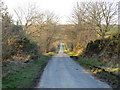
pixel 51 54
pixel 25 76
pixel 70 53
pixel 101 73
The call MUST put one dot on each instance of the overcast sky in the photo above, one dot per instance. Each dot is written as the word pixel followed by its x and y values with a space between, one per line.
pixel 63 8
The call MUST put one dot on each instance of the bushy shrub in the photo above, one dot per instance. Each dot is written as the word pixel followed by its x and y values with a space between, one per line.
pixel 19 45
pixel 96 46
pixel 106 50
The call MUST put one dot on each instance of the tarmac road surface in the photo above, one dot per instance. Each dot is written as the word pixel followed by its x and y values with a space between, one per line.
pixel 62 72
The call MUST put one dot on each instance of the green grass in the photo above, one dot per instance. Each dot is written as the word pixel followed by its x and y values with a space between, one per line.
pixel 113 31
pixel 70 53
pixel 51 54
pixel 88 63
pixel 110 77
pixel 25 76
pixel 115 28
pixel 84 61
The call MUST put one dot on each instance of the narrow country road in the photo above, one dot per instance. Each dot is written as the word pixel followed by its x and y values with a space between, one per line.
pixel 62 72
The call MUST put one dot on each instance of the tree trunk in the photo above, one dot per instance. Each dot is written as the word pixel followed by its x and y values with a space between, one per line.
pixel 103 36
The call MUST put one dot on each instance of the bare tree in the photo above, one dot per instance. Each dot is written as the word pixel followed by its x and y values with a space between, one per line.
pixel 102 16
pixel 90 19
pixel 50 29
pixel 79 35
pixel 44 30
pixel 27 15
